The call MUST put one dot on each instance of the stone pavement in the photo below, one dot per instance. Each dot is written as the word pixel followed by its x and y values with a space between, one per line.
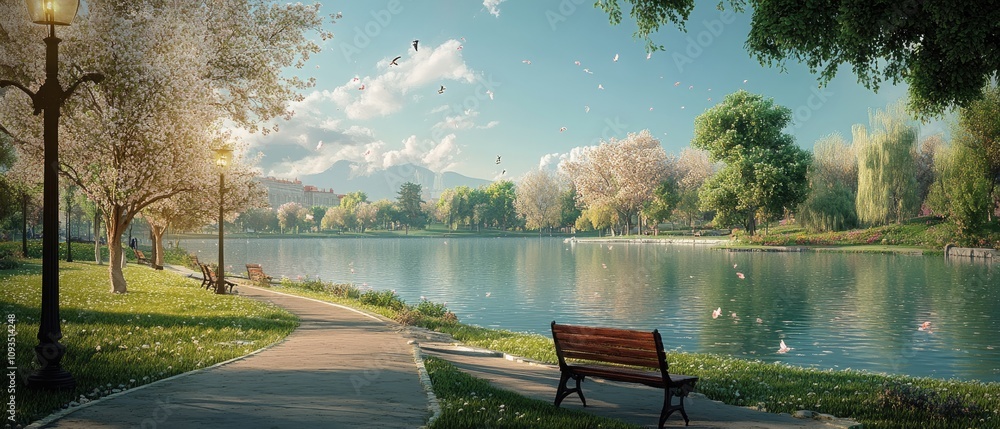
pixel 339 369
pixel 342 368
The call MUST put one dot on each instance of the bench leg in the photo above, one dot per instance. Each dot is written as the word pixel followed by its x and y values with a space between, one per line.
pixel 669 407
pixel 563 391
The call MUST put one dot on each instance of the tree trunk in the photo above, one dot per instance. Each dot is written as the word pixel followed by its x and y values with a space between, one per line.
pixel 69 244
pixel 156 232
pixel 97 235
pixel 116 226
pixel 24 224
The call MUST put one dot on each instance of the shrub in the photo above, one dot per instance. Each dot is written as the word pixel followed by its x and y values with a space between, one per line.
pixel 908 398
pixel 432 309
pixel 385 298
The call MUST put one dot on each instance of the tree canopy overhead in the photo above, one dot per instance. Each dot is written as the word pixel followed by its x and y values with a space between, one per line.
pixel 944 51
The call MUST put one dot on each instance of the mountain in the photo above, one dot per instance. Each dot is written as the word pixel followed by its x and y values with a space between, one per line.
pixel 385 183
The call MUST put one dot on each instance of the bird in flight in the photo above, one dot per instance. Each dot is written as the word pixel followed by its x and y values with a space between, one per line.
pixel 361 88
pixel 599 86
pixel 576 62
pixel 528 62
pixel 561 129
pixel 717 313
pixel 783 348
pixel 441 91
pixel 415 44
pixel 393 62
pixel 498 159
pixel 616 58
pixel 588 71
pixel 489 93
pixel 503 172
pixel 649 55
pixel 586 109
pixel 677 83
pixel 319 145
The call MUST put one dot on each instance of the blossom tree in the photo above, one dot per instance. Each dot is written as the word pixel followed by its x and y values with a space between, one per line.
pixel 619 174
pixel 175 73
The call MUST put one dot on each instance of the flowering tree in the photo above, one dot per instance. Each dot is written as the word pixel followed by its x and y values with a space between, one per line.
pixel 537 200
pixel 619 174
pixel 174 72
pixel 289 215
pixel 693 168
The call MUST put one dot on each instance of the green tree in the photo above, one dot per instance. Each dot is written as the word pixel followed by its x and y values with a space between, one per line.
pixel 833 180
pixel 409 202
pixel 944 51
pixel 537 200
pixel 887 184
pixel 317 214
pixel 980 121
pixel 764 173
pixel 569 210
pixel 961 187
pixel 385 213
pixel 665 199
pixel 499 211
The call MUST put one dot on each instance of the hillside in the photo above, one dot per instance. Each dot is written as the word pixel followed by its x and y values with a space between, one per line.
pixel 385 183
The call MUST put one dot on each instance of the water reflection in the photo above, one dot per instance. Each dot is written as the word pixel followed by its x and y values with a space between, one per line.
pixel 835 310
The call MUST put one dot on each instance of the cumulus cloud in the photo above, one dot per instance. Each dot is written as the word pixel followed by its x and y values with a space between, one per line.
pixel 493 6
pixel 436 156
pixel 385 93
pixel 555 160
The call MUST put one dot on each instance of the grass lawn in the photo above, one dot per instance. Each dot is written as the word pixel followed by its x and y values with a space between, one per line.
pixel 164 326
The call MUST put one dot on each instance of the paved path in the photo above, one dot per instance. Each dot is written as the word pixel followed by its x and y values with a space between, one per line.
pixel 339 369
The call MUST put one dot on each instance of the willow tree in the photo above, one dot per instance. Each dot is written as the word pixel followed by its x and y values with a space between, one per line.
pixel 887 184
pixel 537 200
pixel 764 173
pixel 619 174
pixel 173 70
pixel 833 183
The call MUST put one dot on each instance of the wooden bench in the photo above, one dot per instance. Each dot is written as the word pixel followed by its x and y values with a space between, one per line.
pixel 256 274
pixel 210 279
pixel 141 257
pixel 586 351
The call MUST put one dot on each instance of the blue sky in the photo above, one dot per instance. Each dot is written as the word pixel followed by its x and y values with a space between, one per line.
pixel 401 118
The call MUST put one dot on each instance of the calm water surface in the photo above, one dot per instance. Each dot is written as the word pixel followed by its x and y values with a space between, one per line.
pixel 835 310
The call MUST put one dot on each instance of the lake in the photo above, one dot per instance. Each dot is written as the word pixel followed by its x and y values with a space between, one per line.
pixel 835 310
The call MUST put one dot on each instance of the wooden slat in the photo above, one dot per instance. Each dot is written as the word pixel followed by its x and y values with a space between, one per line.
pixel 621 360
pixel 647 352
pixel 590 340
pixel 605 332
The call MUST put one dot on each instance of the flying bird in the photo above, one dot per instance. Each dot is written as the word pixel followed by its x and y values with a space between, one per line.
pixel 783 348
pixel 588 71
pixel 616 58
pixel 677 83
pixel 459 47
pixel 576 62
pixel 650 109
pixel 586 109
pixel 498 159
pixel 361 88
pixel 393 62
pixel 489 93
pixel 741 276
pixel 319 145
pixel 503 172
pixel 415 42
pixel 561 129
pixel 441 91
pixel 356 79
pixel 599 86
pixel 691 87
pixel 528 62
pixel 744 80
pixel 717 313
pixel 649 55
pixel 368 152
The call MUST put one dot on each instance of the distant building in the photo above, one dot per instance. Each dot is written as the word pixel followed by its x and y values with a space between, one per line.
pixel 281 191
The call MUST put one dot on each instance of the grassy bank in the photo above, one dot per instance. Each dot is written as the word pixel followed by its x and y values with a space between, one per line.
pixel 876 400
pixel 164 326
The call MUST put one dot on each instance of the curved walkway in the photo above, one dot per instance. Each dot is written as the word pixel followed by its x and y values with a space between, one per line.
pixel 339 368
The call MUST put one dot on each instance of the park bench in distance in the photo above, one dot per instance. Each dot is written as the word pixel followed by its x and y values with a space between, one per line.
pixel 210 279
pixel 256 274
pixel 590 349
pixel 141 257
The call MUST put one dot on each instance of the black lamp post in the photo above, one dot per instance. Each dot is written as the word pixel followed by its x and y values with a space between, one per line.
pixel 222 157
pixel 49 98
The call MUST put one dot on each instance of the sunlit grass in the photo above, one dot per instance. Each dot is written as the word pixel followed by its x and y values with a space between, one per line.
pixel 876 400
pixel 164 325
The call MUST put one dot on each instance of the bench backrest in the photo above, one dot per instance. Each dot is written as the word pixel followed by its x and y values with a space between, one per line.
pixel 207 272
pixel 255 272
pixel 611 345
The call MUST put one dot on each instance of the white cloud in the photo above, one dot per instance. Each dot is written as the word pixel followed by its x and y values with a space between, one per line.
pixel 555 161
pixel 385 93
pixel 493 6
pixel 436 156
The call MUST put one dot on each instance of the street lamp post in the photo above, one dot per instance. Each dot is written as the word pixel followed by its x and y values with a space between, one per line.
pixel 49 98
pixel 222 157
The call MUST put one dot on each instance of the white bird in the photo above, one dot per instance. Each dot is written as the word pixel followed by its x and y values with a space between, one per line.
pixel 441 91
pixel 588 71
pixel 319 145
pixel 616 58
pixel 599 86
pixel 783 348
pixel 487 294
pixel 526 62
pixel 650 109
pixel 677 83
pixel 576 62
pixel 649 55
pixel 691 87
pixel 586 109
pixel 561 129
pixel 489 93
pixel 459 47
pixel 717 313
pixel 744 81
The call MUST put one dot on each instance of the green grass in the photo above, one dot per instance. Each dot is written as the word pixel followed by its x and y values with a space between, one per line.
pixel 164 326
pixel 469 402
pixel 876 400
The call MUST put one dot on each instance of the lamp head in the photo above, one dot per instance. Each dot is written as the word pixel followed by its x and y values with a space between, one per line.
pixel 223 156
pixel 52 12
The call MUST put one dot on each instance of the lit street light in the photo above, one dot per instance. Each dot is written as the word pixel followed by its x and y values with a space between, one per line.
pixel 49 98
pixel 223 156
